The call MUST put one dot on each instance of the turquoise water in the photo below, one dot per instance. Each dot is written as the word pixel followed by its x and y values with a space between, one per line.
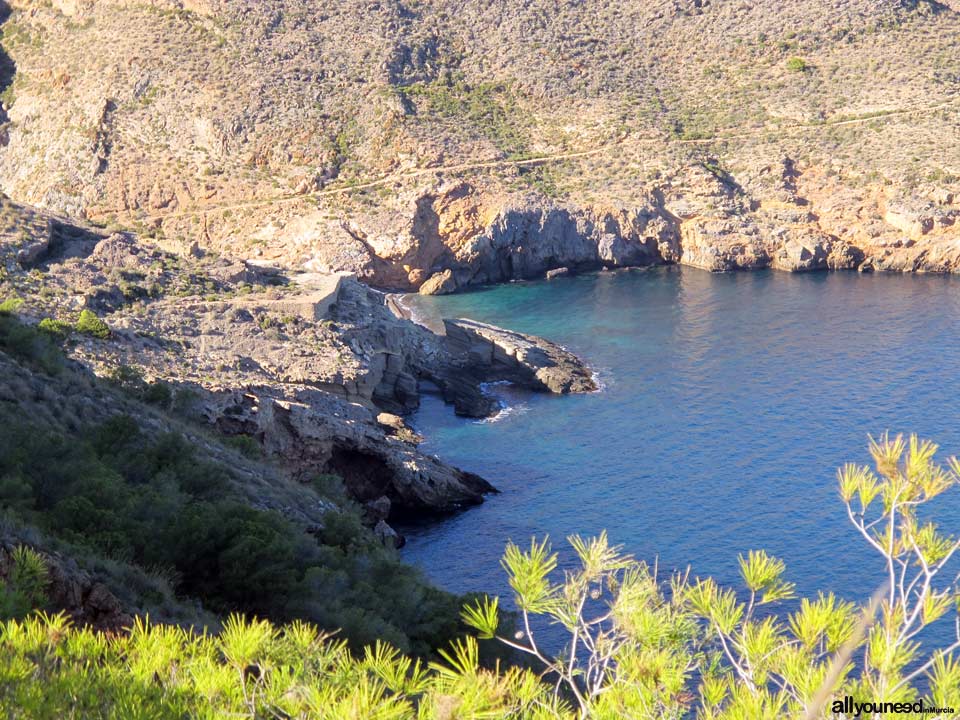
pixel 728 403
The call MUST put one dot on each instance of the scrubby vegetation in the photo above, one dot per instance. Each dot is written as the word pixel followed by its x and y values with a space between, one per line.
pixel 115 492
pixel 639 646
pixel 25 587
pixel 796 64
pixel 36 347
pixel 251 670
pixel 90 324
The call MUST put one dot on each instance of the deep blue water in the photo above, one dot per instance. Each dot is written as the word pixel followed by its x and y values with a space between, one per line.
pixel 729 401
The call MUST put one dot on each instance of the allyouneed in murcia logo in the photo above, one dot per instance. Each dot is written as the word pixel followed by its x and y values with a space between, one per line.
pixel 852 709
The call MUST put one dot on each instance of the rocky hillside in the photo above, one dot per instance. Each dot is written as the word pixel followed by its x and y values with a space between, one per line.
pixel 190 436
pixel 315 370
pixel 462 142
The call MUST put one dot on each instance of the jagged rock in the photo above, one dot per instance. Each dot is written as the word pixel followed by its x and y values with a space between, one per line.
pixel 388 536
pixel 441 283
pixel 913 220
pixel 722 244
pixel 802 254
pixel 390 420
pixel 32 253
pixel 316 432
pixel 377 510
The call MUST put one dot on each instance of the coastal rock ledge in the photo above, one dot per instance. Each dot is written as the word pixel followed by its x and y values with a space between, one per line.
pixel 478 353
pixel 526 360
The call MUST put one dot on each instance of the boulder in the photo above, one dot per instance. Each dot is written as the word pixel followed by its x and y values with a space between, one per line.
pixel 73 590
pixel 801 254
pixel 388 536
pixel 909 218
pixel 389 420
pixel 441 283
pixel 377 510
pixel 33 252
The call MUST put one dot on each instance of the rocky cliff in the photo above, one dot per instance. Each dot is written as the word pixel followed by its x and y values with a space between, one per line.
pixel 312 367
pixel 777 215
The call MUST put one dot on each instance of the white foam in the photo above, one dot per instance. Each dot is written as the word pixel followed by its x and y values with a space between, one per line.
pixel 506 411
pixel 597 377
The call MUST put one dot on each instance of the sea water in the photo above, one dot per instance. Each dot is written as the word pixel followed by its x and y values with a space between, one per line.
pixel 728 402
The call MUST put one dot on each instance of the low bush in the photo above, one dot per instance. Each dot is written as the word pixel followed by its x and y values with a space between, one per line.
pixel 253 669
pixel 157 393
pixel 89 324
pixel 10 305
pixel 57 328
pixel 131 380
pixel 38 349
pixel 245 445
pixel 25 586
pixel 155 502
pixel 637 647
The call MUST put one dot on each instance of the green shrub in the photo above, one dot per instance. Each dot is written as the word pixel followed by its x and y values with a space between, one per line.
pixel 245 445
pixel 131 380
pixel 638 645
pixel 25 588
pixel 127 377
pixel 10 306
pixel 156 502
pixel 252 669
pixel 90 324
pixel 158 393
pixel 57 328
pixel 750 661
pixel 797 64
pixel 31 346
pixel 331 487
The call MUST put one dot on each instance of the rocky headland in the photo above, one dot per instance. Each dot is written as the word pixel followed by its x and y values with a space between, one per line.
pixel 317 369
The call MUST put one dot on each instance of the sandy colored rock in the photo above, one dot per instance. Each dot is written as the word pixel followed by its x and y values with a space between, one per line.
pixel 442 283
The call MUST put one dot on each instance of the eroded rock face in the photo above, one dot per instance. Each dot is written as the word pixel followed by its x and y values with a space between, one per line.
pixel 313 432
pixel 526 241
pixel 776 216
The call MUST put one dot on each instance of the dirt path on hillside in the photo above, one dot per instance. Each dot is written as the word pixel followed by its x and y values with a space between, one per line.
pixel 621 143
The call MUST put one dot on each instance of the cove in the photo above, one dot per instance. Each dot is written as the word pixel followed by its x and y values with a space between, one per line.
pixel 728 403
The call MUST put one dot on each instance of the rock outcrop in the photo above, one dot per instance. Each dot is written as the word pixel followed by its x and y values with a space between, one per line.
pixel 441 283
pixel 73 590
pixel 316 368
pixel 526 360
pixel 311 432
pixel 776 215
